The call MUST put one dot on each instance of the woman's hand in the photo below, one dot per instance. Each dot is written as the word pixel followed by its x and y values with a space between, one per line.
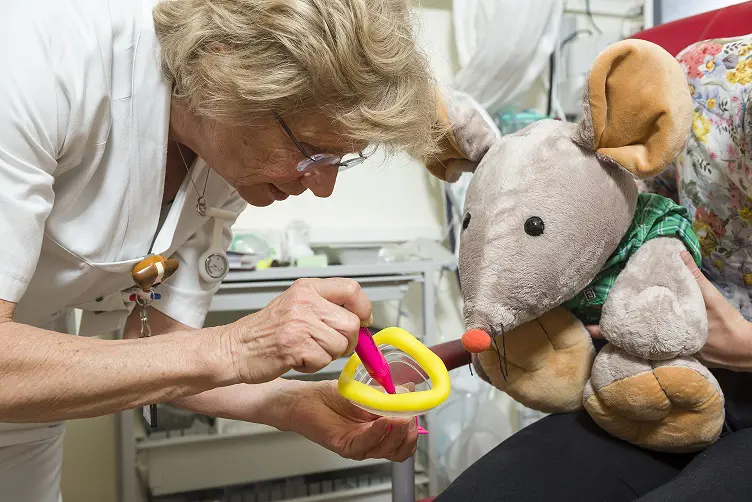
pixel 323 416
pixel 729 343
pixel 305 328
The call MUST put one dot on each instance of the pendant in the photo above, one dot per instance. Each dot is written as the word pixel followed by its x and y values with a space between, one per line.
pixel 214 265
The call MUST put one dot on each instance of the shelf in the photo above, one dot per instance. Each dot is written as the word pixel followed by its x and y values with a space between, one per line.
pixel 356 485
pixel 190 463
pixel 353 494
pixel 251 296
pixel 354 271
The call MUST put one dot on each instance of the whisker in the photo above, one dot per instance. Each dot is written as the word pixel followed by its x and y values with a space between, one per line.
pixel 503 367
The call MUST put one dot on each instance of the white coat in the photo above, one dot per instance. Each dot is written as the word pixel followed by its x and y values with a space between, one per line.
pixel 84 112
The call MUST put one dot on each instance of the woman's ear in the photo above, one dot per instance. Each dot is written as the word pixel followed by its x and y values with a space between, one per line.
pixel 468 134
pixel 638 109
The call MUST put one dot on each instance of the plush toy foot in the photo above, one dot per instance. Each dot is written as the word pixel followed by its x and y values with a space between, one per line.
pixel 674 405
pixel 548 361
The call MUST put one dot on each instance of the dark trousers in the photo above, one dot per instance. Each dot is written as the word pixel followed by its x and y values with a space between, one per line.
pixel 567 457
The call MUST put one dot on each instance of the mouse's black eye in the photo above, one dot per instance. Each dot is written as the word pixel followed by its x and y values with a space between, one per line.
pixel 466 221
pixel 534 226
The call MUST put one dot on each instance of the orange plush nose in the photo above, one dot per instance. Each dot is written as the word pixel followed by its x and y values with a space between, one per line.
pixel 476 341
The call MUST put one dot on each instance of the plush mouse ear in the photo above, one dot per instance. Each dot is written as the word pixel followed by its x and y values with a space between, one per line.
pixel 470 132
pixel 638 109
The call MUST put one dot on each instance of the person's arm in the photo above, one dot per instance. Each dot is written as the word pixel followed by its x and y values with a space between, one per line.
pixel 312 409
pixel 49 376
pixel 265 403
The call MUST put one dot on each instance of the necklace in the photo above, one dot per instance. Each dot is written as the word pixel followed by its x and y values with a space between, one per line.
pixel 201 204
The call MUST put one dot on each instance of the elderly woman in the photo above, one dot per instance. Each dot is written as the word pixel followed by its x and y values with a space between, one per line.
pixel 125 127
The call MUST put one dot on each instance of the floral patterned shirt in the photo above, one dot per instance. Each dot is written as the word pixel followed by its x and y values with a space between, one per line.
pixel 712 178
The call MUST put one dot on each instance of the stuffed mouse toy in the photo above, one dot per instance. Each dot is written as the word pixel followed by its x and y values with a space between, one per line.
pixel 556 236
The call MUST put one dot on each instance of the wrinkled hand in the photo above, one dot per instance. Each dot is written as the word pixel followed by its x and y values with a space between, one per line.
pixel 729 343
pixel 326 418
pixel 305 328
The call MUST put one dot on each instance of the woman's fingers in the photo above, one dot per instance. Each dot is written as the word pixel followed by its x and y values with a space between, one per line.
pixel 370 439
pixel 594 330
pixel 407 448
pixel 312 323
pixel 388 445
pixel 346 308
pixel 344 292
pixel 714 299
pixel 692 266
pixel 314 357
pixel 331 340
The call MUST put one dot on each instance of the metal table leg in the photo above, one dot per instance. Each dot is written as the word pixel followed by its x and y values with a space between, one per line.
pixel 403 481
pixel 403 475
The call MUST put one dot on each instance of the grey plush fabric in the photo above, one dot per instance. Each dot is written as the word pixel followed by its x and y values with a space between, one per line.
pixel 510 277
pixel 655 309
pixel 612 364
pixel 585 135
pixel 473 136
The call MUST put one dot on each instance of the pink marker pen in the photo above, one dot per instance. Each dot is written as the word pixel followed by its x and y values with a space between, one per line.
pixel 373 360
pixel 375 363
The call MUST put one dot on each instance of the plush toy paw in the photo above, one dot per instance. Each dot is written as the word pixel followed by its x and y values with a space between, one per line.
pixel 655 309
pixel 674 405
pixel 542 364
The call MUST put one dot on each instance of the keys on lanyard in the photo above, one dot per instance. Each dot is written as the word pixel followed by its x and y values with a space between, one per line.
pixel 148 274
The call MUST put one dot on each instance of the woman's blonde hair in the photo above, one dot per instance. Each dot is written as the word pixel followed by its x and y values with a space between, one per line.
pixel 356 60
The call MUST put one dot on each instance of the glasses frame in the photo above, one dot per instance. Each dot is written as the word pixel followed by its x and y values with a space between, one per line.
pixel 319 159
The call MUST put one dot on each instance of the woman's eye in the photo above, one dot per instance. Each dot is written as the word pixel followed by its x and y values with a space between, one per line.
pixel 534 226
pixel 466 221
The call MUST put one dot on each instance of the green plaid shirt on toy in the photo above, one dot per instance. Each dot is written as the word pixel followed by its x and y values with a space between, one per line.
pixel 655 216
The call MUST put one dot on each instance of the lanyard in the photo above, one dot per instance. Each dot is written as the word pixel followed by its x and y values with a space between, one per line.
pixel 148 274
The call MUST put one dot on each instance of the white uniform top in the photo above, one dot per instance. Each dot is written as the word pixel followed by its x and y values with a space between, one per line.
pixel 84 113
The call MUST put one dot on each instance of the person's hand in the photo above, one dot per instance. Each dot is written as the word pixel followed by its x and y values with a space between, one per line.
pixel 729 343
pixel 305 329
pixel 323 416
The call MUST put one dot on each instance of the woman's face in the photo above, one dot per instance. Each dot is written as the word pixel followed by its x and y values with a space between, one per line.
pixel 261 162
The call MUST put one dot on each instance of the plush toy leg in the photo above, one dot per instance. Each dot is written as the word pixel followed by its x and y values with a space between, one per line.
pixel 548 362
pixel 674 405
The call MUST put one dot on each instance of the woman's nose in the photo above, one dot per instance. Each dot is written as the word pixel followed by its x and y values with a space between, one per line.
pixel 320 181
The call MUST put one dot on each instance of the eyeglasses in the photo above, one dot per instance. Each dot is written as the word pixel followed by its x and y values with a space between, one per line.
pixel 316 160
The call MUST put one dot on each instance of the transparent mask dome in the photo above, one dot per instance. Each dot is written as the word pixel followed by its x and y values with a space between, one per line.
pixel 407 376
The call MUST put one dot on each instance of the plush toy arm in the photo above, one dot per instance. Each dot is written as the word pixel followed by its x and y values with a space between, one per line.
pixel 646 387
pixel 655 310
